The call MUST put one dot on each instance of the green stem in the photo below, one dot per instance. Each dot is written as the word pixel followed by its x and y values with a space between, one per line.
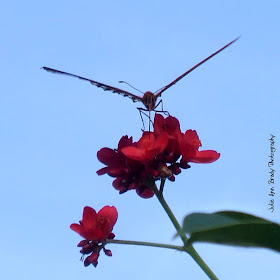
pixel 141 243
pixel 162 182
pixel 189 249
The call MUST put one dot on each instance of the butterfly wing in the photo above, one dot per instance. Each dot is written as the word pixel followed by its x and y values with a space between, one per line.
pixel 100 85
pixel 190 70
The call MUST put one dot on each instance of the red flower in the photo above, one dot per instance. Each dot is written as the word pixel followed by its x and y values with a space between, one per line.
pixel 137 165
pixel 190 144
pixel 171 126
pixel 147 148
pixel 115 159
pixel 128 172
pixel 95 228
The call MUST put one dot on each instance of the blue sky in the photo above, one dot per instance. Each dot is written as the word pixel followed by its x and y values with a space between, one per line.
pixel 52 126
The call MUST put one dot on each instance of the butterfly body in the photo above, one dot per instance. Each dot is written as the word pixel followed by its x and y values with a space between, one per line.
pixel 149 99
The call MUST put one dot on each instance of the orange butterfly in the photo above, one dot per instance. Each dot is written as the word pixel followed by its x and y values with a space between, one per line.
pixel 149 99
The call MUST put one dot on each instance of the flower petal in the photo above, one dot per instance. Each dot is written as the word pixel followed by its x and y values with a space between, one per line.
pixel 161 141
pixel 206 156
pixel 107 156
pixel 78 228
pixel 191 137
pixel 110 213
pixel 102 171
pixel 171 125
pixel 134 153
pixel 144 192
pixel 89 218
pixel 124 142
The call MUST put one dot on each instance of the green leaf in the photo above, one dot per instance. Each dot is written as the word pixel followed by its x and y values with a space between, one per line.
pixel 232 228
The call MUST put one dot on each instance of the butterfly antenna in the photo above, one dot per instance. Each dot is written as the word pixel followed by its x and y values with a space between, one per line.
pixel 123 82
pixel 159 90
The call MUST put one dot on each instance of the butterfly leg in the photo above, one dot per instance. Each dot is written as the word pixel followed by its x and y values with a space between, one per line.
pixel 161 111
pixel 140 112
pixel 143 111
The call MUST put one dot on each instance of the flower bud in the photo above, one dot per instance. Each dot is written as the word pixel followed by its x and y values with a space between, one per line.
pixel 107 252
pixel 164 172
pixel 91 259
pixel 87 249
pixel 82 243
pixel 111 236
pixel 171 178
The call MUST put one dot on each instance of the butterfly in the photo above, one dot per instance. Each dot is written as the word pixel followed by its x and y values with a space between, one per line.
pixel 149 99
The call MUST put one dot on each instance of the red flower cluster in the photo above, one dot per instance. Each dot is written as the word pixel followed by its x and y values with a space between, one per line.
pixel 137 165
pixel 95 228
